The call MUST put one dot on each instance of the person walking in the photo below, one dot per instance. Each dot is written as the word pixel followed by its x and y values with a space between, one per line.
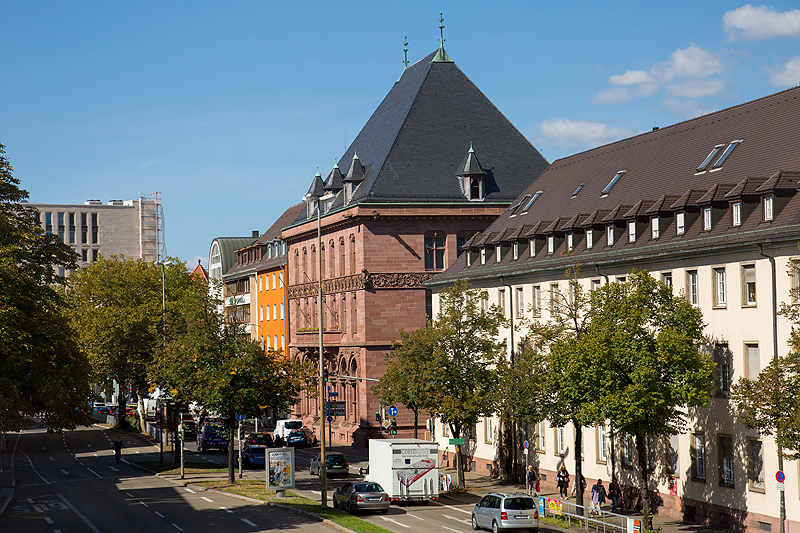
pixel 533 482
pixel 562 481
pixel 576 487
pixel 117 447
pixel 614 494
pixel 598 496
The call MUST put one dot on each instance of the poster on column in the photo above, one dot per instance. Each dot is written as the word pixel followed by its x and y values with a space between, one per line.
pixel 280 474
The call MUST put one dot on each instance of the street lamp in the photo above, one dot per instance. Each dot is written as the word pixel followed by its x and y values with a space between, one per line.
pixel 317 194
pixel 163 265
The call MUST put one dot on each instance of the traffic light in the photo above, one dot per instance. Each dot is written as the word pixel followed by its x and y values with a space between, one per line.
pixel 378 417
pixel 394 426
pixel 325 375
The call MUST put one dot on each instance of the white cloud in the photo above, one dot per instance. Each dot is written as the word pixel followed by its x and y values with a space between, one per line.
pixel 697 88
pixel 788 74
pixel 566 132
pixel 631 77
pixel 762 22
pixel 691 62
pixel 618 95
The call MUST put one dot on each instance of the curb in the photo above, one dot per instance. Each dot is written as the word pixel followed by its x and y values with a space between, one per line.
pixel 13 477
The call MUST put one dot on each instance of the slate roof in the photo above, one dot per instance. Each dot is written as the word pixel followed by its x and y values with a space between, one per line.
pixel 661 178
pixel 413 144
pixel 228 247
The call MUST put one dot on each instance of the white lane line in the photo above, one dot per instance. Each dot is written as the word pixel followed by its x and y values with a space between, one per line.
pixel 52 458
pixel 114 469
pixel 415 516
pixel 248 522
pixel 457 519
pixel 64 472
pixel 396 522
pixel 56 531
pixel 144 504
pixel 88 445
pixel 187 489
pixel 48 519
pixel 34 468
pixel 159 514
pixel 124 461
pixel 176 526
pixel 209 500
pixel 30 500
pixel 451 529
pixel 129 495
pixel 226 509
pixel 453 508
pixel 95 473
pixel 77 512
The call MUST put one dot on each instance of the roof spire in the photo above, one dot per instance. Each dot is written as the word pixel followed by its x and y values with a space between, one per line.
pixel 405 52
pixel 441 56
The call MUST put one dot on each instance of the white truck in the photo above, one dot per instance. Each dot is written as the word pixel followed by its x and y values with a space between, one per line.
pixel 407 469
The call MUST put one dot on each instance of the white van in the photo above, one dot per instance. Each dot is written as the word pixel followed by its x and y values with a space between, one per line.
pixel 284 427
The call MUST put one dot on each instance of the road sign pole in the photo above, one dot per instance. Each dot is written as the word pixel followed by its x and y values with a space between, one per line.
pixel 183 434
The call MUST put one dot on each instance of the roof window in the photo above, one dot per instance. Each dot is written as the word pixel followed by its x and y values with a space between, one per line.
pixel 515 208
pixel 726 153
pixel 535 196
pixel 574 194
pixel 612 182
pixel 709 158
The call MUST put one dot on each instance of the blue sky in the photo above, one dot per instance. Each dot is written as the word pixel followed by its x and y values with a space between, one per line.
pixel 228 109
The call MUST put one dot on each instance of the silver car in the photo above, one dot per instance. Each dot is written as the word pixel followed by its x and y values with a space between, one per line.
pixel 498 511
pixel 335 464
pixel 361 496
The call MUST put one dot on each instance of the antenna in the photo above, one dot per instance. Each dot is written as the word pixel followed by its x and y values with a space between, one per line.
pixel 405 52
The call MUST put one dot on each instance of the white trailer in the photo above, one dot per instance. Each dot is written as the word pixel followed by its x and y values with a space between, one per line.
pixel 407 469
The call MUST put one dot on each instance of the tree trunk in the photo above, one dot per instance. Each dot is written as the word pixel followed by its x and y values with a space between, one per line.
pixel 644 492
pixel 231 470
pixel 121 404
pixel 416 419
pixel 141 409
pixel 579 485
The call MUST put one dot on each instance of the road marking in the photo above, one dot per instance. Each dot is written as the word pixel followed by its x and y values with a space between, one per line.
pixel 248 522
pixel 396 522
pixel 209 500
pixel 159 514
pixel 176 526
pixel 77 512
pixel 114 469
pixel 30 500
pixel 52 458
pixel 187 489
pixel 64 472
pixel 88 445
pixel 34 468
pixel 48 519
pixel 457 519
pixel 129 495
pixel 95 473
pixel 453 508
pixel 144 504
pixel 40 508
pixel 124 461
pixel 451 529
pixel 56 531
pixel 415 516
pixel 226 509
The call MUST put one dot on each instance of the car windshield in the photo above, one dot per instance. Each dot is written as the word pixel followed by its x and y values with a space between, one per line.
pixel 519 503
pixel 294 424
pixel 368 487
pixel 261 438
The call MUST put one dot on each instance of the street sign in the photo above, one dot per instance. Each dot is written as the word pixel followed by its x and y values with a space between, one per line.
pixel 386 424
pixel 330 419
pixel 525 445
pixel 457 441
pixel 780 477
pixel 335 408
pixel 239 417
pixel 392 411
pixel 333 394
pixel 780 487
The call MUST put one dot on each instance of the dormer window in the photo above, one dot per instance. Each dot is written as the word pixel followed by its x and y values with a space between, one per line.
pixel 736 213
pixel 475 189
pixel 483 256
pixel 569 242
pixel 473 175
pixel 706 218
pixel 551 244
pixel 589 238
pixel 655 230
pixel 532 247
pixel 610 235
pixel 516 251
pixel 469 258
pixel 498 253
pixel 631 231
pixel 768 202
pixel 680 223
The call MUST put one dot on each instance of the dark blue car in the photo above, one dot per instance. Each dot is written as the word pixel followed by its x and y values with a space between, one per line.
pixel 212 436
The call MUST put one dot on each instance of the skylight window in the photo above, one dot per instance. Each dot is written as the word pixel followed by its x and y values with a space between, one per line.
pixel 612 182
pixel 515 208
pixel 535 196
pixel 574 194
pixel 709 158
pixel 726 153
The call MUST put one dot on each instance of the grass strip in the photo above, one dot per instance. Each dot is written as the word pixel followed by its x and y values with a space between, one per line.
pixel 257 490
pixel 189 468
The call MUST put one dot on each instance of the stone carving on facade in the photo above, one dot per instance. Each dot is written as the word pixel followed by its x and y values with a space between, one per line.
pixel 364 280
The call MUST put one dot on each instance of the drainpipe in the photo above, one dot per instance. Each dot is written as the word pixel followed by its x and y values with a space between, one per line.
pixel 611 424
pixel 513 421
pixel 775 356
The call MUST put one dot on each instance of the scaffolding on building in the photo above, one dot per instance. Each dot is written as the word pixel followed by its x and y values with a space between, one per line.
pixel 151 227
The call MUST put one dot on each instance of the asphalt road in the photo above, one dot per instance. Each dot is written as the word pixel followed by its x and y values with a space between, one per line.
pixel 70 483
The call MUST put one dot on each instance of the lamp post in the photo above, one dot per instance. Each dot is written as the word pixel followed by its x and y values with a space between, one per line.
pixel 317 194
pixel 163 265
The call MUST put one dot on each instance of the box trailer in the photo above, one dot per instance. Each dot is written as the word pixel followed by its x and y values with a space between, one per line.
pixel 407 469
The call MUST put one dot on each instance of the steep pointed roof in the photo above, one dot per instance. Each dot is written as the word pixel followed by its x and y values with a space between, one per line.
pixel 334 181
pixel 411 147
pixel 470 166
pixel 355 173
pixel 317 189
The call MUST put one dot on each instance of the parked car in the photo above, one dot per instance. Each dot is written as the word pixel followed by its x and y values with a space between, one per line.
pixel 284 427
pixel 335 465
pixel 366 496
pixel 189 429
pixel 254 455
pixel 259 439
pixel 301 437
pixel 498 511
pixel 212 436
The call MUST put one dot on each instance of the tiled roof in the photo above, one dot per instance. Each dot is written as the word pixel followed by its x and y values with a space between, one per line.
pixel 660 178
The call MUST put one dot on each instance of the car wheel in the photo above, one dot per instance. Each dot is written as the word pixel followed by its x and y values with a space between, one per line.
pixel 475 522
pixel 495 528
pixel 335 505
pixel 350 507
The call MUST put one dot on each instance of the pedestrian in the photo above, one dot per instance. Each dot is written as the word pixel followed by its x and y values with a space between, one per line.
pixel 533 482
pixel 598 495
pixel 117 447
pixel 614 494
pixel 582 487
pixel 562 481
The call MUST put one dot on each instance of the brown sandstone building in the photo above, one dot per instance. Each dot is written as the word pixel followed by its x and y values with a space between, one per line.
pixel 436 163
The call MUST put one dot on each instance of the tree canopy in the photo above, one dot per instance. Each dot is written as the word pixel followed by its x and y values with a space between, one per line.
pixel 42 370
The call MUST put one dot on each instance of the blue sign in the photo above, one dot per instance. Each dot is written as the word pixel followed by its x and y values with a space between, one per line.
pixel 239 417
pixel 330 419
pixel 525 445
pixel 780 477
pixel 392 411
pixel 333 394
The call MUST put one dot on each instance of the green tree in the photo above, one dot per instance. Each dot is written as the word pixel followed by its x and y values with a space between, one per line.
pixel 42 370
pixel 462 375
pixel 410 359
pixel 214 363
pixel 647 363
pixel 551 377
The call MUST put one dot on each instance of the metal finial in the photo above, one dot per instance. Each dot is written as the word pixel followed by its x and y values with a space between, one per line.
pixel 405 52
pixel 471 151
pixel 441 29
